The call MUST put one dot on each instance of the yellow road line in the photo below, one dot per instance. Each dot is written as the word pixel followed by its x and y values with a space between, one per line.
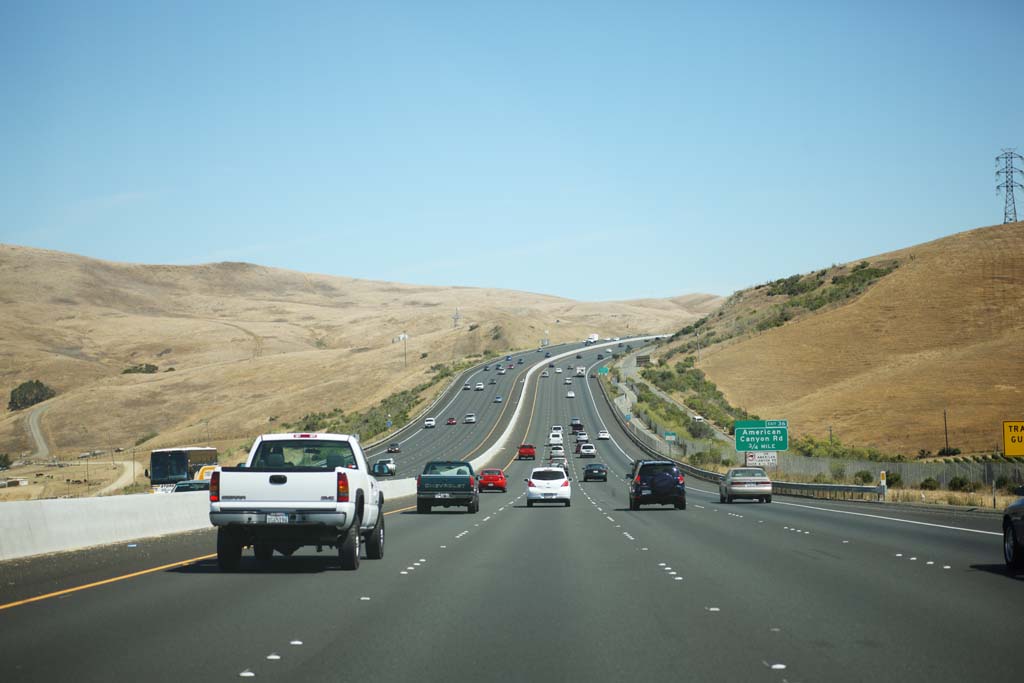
pixel 66 591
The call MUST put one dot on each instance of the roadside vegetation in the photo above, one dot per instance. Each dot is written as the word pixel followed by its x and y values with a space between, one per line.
pixel 698 393
pixel 140 369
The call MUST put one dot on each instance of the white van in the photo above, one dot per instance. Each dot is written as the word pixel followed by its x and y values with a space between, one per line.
pixel 555 438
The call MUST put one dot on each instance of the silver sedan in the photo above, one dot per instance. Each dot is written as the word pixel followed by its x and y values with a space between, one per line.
pixel 745 482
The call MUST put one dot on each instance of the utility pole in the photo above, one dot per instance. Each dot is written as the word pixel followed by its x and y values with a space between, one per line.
pixel 830 441
pixel 1008 181
pixel 945 428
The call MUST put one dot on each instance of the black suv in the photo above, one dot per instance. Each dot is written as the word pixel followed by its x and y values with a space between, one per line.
pixel 660 482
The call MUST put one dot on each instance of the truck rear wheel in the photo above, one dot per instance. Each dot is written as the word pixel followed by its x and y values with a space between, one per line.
pixel 474 507
pixel 229 550
pixel 375 539
pixel 263 551
pixel 349 548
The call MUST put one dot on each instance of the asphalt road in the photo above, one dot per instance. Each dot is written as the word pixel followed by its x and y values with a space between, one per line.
pixel 796 590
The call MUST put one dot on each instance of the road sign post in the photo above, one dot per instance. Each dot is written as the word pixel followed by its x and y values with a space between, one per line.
pixel 762 435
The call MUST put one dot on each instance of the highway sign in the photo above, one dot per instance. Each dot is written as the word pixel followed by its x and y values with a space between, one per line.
pixel 762 435
pixel 388 424
pixel 1013 439
pixel 670 436
pixel 603 370
pixel 762 459
pixel 628 417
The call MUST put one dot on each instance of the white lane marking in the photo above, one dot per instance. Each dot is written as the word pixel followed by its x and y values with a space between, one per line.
pixel 891 519
pixel 698 506
pixel 899 554
pixel 610 519
pixel 945 566
pixel 365 598
pixel 713 609
pixel 415 564
pixel 930 562
pixel 775 629
pixel 273 656
pixel 845 542
pixel 777 667
pixel 295 642
pixel 913 559
pixel 405 573
pixel 444 546
pixel 247 674
pixel 672 573
pixel 643 548
pixel 423 559
pixel 679 578
pixel 660 564
pixel 487 518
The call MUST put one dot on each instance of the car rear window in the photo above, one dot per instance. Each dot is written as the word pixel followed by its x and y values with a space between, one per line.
pixel 491 473
pixel 657 468
pixel 305 453
pixel 449 468
pixel 548 475
pixel 749 473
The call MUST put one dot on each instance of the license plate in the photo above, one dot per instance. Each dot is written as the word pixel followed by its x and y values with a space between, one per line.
pixel 548 495
pixel 645 492
pixel 277 518
pixel 442 495
pixel 490 485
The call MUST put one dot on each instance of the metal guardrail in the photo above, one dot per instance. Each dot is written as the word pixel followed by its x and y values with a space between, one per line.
pixel 788 488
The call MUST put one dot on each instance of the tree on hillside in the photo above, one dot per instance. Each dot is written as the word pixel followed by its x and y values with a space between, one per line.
pixel 28 394
pixel 5 461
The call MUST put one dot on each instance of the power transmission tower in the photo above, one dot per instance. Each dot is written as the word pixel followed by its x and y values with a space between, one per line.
pixel 1008 181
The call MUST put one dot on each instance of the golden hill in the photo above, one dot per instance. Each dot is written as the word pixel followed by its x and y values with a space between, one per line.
pixel 249 343
pixel 945 330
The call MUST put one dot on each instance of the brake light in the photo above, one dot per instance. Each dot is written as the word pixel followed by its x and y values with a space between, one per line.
pixel 530 484
pixel 302 436
pixel 418 478
pixel 471 482
pixel 565 483
pixel 342 487
pixel 637 480
pixel 215 487
pixel 681 479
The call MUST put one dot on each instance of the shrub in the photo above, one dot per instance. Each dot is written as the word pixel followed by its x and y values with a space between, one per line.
pixel 863 477
pixel 958 484
pixel 423 355
pixel 1002 482
pixel 142 368
pixel 893 480
pixel 838 471
pixel 949 451
pixel 5 461
pixel 28 394
pixel 929 484
pixel 923 453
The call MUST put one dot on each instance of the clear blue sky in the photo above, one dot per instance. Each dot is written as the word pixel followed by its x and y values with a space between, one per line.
pixel 593 150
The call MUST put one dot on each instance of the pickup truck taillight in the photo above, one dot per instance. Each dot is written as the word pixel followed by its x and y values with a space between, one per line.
pixel 342 487
pixel 215 487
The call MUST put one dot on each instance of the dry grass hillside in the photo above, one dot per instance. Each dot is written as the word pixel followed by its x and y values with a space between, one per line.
pixel 944 330
pixel 249 343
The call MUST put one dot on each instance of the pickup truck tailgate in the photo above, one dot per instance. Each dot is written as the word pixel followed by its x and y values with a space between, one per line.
pixel 430 483
pixel 305 489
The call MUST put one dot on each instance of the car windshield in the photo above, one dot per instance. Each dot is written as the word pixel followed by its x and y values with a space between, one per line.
pixel 305 453
pixel 657 468
pixel 548 475
pixel 491 473
pixel 751 472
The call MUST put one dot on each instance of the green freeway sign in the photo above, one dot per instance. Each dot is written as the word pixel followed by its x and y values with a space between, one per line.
pixel 603 370
pixel 762 435
pixel 670 436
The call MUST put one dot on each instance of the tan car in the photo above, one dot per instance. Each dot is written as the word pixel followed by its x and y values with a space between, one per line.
pixel 745 482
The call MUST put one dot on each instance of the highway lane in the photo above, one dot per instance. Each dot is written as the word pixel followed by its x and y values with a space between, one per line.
pixel 549 593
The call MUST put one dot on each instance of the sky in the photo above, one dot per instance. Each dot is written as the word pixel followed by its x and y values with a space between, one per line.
pixel 591 150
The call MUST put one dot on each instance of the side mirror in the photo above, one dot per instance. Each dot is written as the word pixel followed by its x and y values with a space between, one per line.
pixel 1019 491
pixel 147 474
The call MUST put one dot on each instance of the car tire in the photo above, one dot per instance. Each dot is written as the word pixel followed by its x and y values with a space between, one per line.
pixel 263 551
pixel 633 505
pixel 349 549
pixel 474 507
pixel 375 539
pixel 1013 551
pixel 681 505
pixel 229 550
pixel 728 499
pixel 568 503
pixel 422 508
pixel 768 499
pixel 504 490
pixel 721 497
pixel 529 503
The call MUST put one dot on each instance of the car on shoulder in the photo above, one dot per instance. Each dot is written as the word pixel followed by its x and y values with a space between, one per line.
pixel 479 386
pixel 1013 534
pixel 595 471
pixel 192 485
pixel 526 450
pixel 451 421
pixel 394 447
pixel 745 482
pixel 587 450
pixel 492 479
pixel 429 423
pixel 570 394
pixel 657 482
pixel 603 435
pixel 497 399
pixel 548 485
pixel 470 418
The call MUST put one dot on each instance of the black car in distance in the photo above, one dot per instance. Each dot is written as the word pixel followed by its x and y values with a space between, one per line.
pixel 595 471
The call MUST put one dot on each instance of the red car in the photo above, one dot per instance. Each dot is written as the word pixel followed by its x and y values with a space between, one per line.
pixel 527 450
pixel 492 480
pixel 452 421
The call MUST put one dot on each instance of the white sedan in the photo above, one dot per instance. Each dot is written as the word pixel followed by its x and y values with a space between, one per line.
pixel 558 371
pixel 548 485
pixel 603 435
pixel 570 394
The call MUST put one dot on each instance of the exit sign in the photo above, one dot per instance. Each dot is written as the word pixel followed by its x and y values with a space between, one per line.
pixel 762 435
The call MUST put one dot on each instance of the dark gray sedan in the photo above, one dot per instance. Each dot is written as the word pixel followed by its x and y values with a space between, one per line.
pixel 1013 534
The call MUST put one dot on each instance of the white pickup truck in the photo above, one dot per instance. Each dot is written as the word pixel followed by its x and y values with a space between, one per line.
pixel 296 490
